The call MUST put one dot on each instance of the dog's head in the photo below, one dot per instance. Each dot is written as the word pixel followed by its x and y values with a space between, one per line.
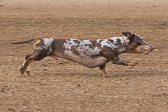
pixel 137 44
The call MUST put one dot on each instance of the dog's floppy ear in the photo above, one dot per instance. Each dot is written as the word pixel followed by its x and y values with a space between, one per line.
pixel 128 34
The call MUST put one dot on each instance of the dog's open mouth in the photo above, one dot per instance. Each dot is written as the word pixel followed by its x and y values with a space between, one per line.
pixel 145 52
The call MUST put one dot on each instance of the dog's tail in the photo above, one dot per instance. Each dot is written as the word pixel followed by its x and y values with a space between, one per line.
pixel 23 42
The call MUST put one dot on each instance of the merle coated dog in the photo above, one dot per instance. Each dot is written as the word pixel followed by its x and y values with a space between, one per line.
pixel 89 53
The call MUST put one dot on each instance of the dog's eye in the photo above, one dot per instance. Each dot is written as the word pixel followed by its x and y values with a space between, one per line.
pixel 134 45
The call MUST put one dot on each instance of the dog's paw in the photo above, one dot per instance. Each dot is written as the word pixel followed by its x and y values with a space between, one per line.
pixel 132 63
pixel 21 69
pixel 28 73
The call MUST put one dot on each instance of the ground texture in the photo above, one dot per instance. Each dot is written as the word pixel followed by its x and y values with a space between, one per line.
pixel 64 86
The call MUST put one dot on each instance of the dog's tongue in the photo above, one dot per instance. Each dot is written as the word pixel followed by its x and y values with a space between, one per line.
pixel 146 52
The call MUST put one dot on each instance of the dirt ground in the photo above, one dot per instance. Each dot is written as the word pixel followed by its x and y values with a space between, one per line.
pixel 64 86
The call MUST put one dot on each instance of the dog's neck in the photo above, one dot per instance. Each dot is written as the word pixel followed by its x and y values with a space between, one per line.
pixel 118 44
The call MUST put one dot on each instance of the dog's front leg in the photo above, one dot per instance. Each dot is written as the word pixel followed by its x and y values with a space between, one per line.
pixel 113 57
pixel 102 71
pixel 120 61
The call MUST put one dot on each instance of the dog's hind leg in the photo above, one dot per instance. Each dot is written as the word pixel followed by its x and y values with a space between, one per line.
pixel 25 64
pixel 102 70
pixel 37 55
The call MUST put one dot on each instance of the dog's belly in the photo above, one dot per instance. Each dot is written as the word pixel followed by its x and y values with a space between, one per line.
pixel 93 62
pixel 90 62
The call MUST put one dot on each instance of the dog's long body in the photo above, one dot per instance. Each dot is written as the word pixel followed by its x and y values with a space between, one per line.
pixel 90 53
pixel 87 52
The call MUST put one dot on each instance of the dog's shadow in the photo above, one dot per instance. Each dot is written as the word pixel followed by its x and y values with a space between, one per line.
pixel 134 74
pixel 128 73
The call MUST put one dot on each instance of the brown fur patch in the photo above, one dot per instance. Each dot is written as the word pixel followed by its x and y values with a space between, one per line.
pixel 110 40
pixel 36 42
pixel 77 41
pixel 74 51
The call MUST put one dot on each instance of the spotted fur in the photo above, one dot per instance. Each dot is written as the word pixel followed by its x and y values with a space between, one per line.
pixel 90 53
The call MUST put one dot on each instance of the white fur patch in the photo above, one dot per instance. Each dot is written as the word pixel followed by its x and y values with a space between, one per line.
pixel 105 43
pixel 47 44
pixel 69 43
pixel 48 41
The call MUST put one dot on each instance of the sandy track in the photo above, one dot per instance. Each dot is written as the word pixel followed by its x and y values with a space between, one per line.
pixel 64 86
